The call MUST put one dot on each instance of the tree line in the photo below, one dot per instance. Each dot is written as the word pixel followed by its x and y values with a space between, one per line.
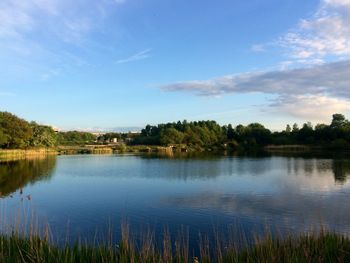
pixel 17 133
pixel 210 135
pixel 202 135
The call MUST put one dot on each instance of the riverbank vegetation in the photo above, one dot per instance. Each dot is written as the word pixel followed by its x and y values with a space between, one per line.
pixel 210 135
pixel 325 247
pixel 16 133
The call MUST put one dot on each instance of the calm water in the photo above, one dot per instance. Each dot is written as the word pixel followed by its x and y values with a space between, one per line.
pixel 82 195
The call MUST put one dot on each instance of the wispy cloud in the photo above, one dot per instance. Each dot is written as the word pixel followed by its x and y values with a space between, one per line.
pixel 45 33
pixel 326 33
pixel 258 48
pixel 306 85
pixel 144 54
pixel 49 74
pixel 308 88
pixel 332 78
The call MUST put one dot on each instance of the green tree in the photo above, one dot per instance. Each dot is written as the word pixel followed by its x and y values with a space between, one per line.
pixel 43 136
pixel 171 136
pixel 75 138
pixel 17 131
pixel 3 138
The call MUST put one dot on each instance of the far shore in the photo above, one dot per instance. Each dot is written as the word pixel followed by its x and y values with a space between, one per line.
pixel 14 154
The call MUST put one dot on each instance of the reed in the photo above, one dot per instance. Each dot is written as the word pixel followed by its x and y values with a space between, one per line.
pixel 318 247
pixel 6 155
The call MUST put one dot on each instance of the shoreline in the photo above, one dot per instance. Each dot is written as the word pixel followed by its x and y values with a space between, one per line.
pixel 17 154
pixel 14 154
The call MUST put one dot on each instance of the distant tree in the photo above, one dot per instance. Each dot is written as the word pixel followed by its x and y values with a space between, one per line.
pixel 75 138
pixel 147 130
pixel 17 131
pixel 288 129
pixel 230 132
pixel 43 136
pixel 320 126
pixel 338 120
pixel 240 132
pixel 306 134
pixel 192 137
pixel 295 127
pixel 308 125
pixel 171 136
pixel 258 134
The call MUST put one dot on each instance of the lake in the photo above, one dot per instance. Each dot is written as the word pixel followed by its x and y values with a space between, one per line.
pixel 87 196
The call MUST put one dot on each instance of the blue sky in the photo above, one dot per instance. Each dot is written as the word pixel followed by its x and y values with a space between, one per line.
pixel 92 65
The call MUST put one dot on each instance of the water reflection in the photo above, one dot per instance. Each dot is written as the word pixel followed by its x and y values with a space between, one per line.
pixel 15 175
pixel 307 164
pixel 283 207
pixel 89 190
pixel 341 170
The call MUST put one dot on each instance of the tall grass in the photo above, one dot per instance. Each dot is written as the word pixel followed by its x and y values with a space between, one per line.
pixel 6 155
pixel 320 247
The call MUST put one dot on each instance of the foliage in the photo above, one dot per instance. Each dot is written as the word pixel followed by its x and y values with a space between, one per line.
pixel 200 135
pixel 43 136
pixel 75 138
pixel 171 136
pixel 16 132
pixel 3 138
pixel 121 137
pixel 209 134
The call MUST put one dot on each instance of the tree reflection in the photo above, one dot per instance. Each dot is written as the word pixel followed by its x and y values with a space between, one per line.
pixel 341 170
pixel 15 175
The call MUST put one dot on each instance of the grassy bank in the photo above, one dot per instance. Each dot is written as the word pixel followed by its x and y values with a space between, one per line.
pixel 22 154
pixel 306 248
pixel 16 154
pixel 110 149
pixel 84 150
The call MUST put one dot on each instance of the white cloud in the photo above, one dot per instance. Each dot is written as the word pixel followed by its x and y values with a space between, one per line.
pixel 304 92
pixel 311 107
pixel 326 33
pixel 305 86
pixel 338 2
pixel 144 54
pixel 332 78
